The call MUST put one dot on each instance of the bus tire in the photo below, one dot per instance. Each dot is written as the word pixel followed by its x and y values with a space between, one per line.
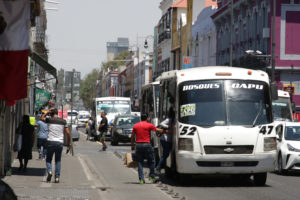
pixel 260 179
pixel 280 165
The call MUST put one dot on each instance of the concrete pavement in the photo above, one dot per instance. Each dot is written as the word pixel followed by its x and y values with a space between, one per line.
pixel 100 175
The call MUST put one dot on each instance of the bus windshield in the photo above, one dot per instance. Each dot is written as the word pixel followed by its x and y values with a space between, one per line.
pixel 282 109
pixel 113 106
pixel 224 102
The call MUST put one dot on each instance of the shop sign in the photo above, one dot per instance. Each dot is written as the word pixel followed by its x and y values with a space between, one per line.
pixel 290 88
pixel 41 98
pixel 187 62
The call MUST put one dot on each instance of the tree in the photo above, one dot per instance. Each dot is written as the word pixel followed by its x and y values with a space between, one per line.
pixel 124 55
pixel 88 89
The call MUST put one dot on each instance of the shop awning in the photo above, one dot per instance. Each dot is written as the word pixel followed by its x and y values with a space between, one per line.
pixel 180 4
pixel 44 64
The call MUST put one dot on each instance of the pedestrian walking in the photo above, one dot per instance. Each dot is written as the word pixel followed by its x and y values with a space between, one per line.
pixel 42 139
pixel 141 133
pixel 90 128
pixel 103 130
pixel 56 128
pixel 27 132
pixel 166 138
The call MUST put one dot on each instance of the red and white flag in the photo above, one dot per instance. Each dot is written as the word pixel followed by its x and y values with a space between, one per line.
pixel 14 48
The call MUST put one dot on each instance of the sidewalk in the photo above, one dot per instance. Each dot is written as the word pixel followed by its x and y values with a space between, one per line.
pixel 88 175
pixel 32 184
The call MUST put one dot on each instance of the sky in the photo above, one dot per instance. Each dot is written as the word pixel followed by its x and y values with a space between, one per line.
pixel 78 30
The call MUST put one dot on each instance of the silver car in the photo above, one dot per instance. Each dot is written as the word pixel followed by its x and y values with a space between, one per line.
pixel 75 133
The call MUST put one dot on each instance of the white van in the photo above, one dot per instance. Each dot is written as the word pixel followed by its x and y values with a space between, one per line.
pixel 72 114
pixel 82 118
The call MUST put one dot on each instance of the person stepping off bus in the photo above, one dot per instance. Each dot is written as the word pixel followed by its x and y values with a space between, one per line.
pixel 143 149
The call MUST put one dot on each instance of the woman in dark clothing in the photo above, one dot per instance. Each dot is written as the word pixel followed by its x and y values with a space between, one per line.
pixel 27 143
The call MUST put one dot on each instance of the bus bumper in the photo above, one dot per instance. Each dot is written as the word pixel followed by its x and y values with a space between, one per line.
pixel 195 163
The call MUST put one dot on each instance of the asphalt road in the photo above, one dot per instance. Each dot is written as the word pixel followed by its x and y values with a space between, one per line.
pixel 278 187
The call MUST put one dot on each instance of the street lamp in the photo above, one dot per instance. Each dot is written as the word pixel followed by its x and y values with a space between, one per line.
pixel 146 42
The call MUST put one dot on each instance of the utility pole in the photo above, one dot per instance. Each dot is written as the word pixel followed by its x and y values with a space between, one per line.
pixel 273 42
pixel 231 33
pixel 180 42
pixel 72 85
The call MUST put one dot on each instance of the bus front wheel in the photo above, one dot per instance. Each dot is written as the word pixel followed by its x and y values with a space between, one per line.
pixel 260 179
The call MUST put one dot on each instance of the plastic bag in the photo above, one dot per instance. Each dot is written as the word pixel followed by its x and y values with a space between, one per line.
pixel 18 143
pixel 130 161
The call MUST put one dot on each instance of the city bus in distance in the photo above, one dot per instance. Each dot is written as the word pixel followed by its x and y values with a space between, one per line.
pixel 149 102
pixel 223 124
pixel 112 106
pixel 282 107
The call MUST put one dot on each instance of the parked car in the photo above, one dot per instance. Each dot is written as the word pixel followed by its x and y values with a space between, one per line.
pixel 122 128
pixel 75 133
pixel 288 146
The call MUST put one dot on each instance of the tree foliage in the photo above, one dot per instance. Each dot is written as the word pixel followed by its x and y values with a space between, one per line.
pixel 88 89
pixel 124 55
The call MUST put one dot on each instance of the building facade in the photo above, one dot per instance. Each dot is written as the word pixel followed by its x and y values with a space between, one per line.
pixel 204 36
pixel 76 87
pixel 163 38
pixel 252 30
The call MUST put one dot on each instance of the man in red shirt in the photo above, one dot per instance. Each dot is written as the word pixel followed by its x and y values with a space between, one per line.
pixel 142 132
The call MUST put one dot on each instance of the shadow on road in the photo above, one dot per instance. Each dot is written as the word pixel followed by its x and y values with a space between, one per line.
pixel 209 181
pixel 289 173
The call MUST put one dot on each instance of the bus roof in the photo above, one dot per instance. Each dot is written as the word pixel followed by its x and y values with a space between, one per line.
pixel 283 94
pixel 112 98
pixel 150 84
pixel 216 72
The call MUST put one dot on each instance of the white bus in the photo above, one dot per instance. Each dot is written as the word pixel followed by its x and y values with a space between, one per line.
pixel 282 107
pixel 224 122
pixel 112 106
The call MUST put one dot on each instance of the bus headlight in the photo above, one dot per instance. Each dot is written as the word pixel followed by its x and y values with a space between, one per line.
pixel 185 144
pixel 270 143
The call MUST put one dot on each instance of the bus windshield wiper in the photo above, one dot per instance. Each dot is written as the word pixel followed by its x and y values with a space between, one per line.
pixel 260 109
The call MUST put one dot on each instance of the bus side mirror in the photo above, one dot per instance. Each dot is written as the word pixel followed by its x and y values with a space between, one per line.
pixel 274 91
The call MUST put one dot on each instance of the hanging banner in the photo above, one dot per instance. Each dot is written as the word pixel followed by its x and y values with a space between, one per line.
pixel 41 98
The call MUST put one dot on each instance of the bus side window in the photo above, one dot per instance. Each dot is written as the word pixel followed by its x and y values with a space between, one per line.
pixel 162 100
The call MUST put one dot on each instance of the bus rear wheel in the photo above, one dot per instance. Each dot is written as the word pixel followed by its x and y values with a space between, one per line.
pixel 260 179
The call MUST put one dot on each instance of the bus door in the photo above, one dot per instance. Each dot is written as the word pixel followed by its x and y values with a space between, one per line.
pixel 167 99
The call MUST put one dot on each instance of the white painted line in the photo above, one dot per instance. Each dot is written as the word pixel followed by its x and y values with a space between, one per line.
pixel 85 169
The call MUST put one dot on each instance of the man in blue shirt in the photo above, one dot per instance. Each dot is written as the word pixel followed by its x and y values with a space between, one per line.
pixel 42 139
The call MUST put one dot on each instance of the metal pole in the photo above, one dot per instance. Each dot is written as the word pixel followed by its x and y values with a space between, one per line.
pixel 180 42
pixel 62 107
pixel 273 42
pixel 231 33
pixel 72 83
